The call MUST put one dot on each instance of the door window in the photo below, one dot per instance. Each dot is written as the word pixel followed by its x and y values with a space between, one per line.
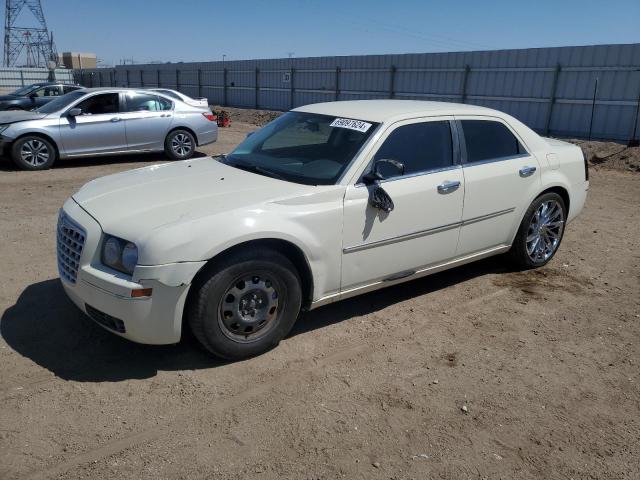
pixel 103 103
pixel 420 147
pixel 69 88
pixel 144 102
pixel 48 91
pixel 487 140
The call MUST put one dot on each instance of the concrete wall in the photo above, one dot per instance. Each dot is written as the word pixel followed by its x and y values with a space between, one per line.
pixel 550 89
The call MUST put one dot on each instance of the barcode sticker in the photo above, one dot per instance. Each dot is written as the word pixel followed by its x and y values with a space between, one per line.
pixel 351 124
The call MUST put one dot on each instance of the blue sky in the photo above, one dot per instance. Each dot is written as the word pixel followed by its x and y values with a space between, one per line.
pixel 200 30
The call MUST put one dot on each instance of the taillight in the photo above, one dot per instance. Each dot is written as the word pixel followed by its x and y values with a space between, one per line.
pixel 210 116
pixel 586 167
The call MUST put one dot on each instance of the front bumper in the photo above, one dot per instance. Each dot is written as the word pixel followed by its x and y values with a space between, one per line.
pixel 105 295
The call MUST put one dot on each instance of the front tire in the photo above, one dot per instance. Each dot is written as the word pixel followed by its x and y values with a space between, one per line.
pixel 179 145
pixel 244 305
pixel 540 232
pixel 32 152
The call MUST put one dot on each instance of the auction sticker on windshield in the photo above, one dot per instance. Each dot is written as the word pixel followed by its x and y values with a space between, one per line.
pixel 351 124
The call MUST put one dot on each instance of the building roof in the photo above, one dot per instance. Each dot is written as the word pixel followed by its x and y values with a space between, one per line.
pixel 385 110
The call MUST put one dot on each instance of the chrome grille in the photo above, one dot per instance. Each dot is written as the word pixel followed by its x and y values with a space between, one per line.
pixel 70 241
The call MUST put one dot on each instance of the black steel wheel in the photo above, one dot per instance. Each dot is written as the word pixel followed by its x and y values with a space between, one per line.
pixel 245 304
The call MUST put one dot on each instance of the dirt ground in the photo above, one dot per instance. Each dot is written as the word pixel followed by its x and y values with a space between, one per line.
pixel 545 364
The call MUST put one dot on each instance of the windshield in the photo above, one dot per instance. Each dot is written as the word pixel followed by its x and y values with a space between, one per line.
pixel 21 92
pixel 302 147
pixel 61 102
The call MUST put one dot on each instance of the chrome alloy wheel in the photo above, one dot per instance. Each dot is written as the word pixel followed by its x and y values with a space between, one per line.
pixel 545 231
pixel 181 144
pixel 249 307
pixel 35 152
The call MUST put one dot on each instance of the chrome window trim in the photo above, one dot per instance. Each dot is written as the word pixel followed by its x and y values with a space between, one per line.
pixel 414 174
pixel 456 157
pixel 423 233
pixel 495 160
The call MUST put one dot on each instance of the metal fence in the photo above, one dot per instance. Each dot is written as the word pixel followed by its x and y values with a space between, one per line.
pixel 13 78
pixel 591 91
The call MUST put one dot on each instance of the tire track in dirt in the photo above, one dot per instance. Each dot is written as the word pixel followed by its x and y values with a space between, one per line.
pixel 285 377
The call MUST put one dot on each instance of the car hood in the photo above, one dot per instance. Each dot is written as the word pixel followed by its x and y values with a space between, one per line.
pixel 14 116
pixel 137 203
pixel 4 98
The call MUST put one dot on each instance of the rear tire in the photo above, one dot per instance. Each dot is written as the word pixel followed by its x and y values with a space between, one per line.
pixel 179 145
pixel 245 304
pixel 540 232
pixel 32 152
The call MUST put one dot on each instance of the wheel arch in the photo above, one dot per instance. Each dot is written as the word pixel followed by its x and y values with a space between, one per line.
pixel 41 135
pixel 190 130
pixel 557 188
pixel 285 247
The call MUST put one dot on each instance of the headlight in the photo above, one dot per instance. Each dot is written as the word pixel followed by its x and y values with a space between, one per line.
pixel 119 254
pixel 3 128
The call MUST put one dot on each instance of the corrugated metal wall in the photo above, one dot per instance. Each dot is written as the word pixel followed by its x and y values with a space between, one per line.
pixel 550 89
pixel 14 78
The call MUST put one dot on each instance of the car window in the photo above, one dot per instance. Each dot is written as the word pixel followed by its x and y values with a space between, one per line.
pixel 146 102
pixel 486 140
pixel 420 147
pixel 170 94
pixel 38 92
pixel 102 103
pixel 69 88
pixel 164 104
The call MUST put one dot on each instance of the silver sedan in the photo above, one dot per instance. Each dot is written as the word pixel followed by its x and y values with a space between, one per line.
pixel 105 121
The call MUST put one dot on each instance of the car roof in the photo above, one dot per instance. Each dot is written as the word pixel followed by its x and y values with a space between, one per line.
pixel 387 110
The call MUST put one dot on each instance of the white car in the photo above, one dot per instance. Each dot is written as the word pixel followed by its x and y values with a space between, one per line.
pixel 194 102
pixel 326 202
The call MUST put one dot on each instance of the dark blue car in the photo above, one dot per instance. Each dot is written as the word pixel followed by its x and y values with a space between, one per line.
pixel 34 96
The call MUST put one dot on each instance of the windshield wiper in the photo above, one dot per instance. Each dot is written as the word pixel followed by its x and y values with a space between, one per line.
pixel 257 169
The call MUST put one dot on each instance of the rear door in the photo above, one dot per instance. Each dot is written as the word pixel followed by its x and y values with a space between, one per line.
pixel 500 177
pixel 97 130
pixel 147 119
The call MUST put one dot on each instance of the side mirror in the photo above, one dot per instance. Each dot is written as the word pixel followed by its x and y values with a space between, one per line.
pixel 74 112
pixel 378 197
pixel 380 167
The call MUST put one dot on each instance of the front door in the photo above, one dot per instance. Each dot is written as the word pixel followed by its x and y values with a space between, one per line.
pixel 97 130
pixel 147 119
pixel 422 229
pixel 44 95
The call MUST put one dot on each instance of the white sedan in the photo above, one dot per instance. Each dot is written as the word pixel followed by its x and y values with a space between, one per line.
pixel 328 201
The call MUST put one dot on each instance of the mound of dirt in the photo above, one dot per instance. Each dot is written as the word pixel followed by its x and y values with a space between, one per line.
pixel 610 155
pixel 248 115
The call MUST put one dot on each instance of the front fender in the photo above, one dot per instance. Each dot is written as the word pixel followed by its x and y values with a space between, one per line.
pixel 316 229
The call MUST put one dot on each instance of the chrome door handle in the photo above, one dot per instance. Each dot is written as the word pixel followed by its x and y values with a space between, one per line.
pixel 448 187
pixel 527 171
pixel 115 119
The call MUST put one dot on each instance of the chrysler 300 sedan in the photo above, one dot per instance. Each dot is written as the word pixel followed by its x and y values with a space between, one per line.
pixel 326 202
pixel 105 121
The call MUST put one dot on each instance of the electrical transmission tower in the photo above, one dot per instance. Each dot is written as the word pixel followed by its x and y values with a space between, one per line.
pixel 36 42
